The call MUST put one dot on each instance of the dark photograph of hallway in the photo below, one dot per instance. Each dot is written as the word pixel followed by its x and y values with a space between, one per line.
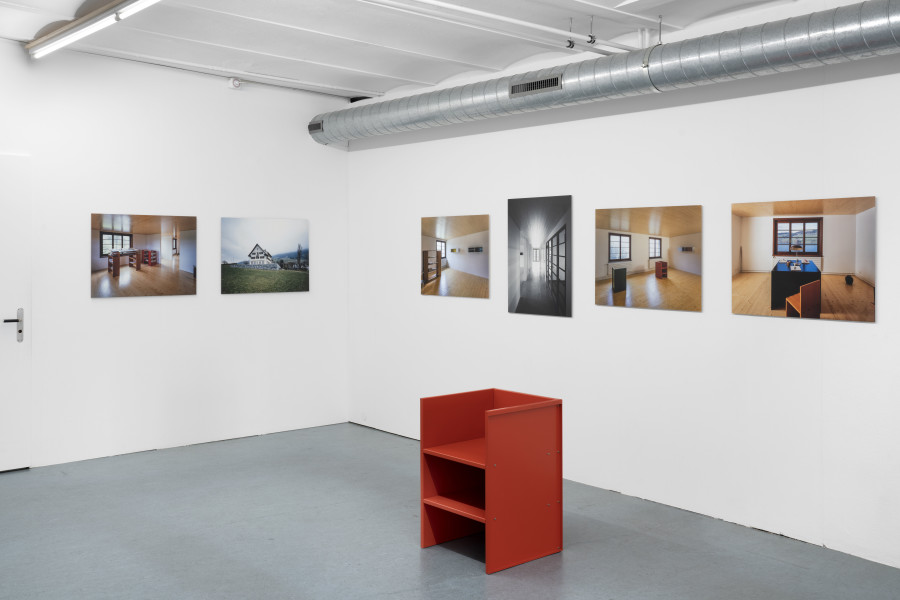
pixel 540 257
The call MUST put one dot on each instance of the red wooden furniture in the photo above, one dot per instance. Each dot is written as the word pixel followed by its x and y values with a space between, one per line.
pixel 491 462
pixel 807 303
pixel 150 258
pixel 662 269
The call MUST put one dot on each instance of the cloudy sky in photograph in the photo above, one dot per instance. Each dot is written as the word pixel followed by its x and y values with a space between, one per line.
pixel 275 235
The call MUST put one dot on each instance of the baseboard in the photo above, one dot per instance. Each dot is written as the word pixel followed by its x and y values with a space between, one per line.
pixel 863 279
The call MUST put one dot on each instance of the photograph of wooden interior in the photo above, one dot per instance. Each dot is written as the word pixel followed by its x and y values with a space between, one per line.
pixel 135 255
pixel 779 248
pixel 649 257
pixel 455 256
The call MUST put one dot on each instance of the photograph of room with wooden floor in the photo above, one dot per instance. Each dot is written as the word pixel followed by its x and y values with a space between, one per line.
pixel 804 258
pixel 455 253
pixel 540 256
pixel 649 257
pixel 143 255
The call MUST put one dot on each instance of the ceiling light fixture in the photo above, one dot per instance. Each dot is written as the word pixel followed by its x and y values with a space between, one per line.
pixel 84 26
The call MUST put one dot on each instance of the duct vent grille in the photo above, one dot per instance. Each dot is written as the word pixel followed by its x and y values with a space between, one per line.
pixel 315 126
pixel 535 87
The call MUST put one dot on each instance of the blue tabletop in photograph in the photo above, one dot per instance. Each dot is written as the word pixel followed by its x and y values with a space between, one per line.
pixel 787 283
pixel 783 267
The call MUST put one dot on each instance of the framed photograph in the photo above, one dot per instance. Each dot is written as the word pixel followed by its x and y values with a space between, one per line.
pixel 540 256
pixel 265 255
pixel 451 265
pixel 135 255
pixel 649 257
pixel 806 259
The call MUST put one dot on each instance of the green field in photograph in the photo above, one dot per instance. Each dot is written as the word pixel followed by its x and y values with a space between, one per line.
pixel 236 280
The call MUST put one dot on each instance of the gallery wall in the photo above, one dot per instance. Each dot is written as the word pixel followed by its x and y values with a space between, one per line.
pixel 722 427
pixel 120 137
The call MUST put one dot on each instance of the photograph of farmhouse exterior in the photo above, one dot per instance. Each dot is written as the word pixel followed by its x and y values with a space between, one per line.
pixel 265 255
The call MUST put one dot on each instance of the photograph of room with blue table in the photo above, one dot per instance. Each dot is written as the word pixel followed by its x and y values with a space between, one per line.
pixel 807 259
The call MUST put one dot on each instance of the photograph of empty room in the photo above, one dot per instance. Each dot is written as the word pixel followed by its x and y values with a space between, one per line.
pixel 804 258
pixel 540 256
pixel 143 255
pixel 455 253
pixel 649 257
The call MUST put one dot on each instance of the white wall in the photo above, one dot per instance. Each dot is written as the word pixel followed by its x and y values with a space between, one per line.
pixel 98 263
pixel 640 253
pixel 692 262
pixel 474 263
pixel 187 146
pixel 838 242
pixel 866 245
pixel 187 250
pixel 721 428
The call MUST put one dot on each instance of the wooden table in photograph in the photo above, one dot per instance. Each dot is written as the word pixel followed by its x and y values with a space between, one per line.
pixel 787 283
pixel 112 260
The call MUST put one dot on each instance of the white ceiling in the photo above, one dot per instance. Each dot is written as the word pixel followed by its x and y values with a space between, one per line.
pixel 349 48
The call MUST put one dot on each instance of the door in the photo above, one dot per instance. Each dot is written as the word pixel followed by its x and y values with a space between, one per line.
pixel 15 293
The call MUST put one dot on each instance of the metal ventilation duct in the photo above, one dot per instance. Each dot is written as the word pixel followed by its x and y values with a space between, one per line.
pixel 827 37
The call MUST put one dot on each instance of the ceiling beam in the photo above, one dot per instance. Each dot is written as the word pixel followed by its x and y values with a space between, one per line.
pixel 340 38
pixel 38 11
pixel 570 36
pixel 280 57
pixel 434 15
pixel 628 15
pixel 294 84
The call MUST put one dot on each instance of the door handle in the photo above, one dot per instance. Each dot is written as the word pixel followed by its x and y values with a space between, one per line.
pixel 20 321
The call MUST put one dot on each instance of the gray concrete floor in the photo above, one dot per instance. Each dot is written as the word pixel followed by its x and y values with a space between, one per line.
pixel 333 512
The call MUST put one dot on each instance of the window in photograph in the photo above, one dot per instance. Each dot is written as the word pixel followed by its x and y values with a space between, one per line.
pixel 655 247
pixel 442 248
pixel 797 237
pixel 556 268
pixel 619 247
pixel 114 241
pixel 536 255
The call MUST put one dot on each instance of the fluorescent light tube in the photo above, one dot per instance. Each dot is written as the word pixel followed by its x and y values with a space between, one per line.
pixel 73 36
pixel 134 7
pixel 86 25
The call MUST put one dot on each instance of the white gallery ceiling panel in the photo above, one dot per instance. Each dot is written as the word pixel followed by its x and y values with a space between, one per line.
pixel 356 48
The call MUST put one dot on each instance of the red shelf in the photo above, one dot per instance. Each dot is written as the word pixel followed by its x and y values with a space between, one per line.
pixel 469 452
pixel 491 463
pixel 469 504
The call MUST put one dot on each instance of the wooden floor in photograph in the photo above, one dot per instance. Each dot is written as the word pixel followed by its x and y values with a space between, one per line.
pixel 751 295
pixel 679 291
pixel 166 279
pixel 453 282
